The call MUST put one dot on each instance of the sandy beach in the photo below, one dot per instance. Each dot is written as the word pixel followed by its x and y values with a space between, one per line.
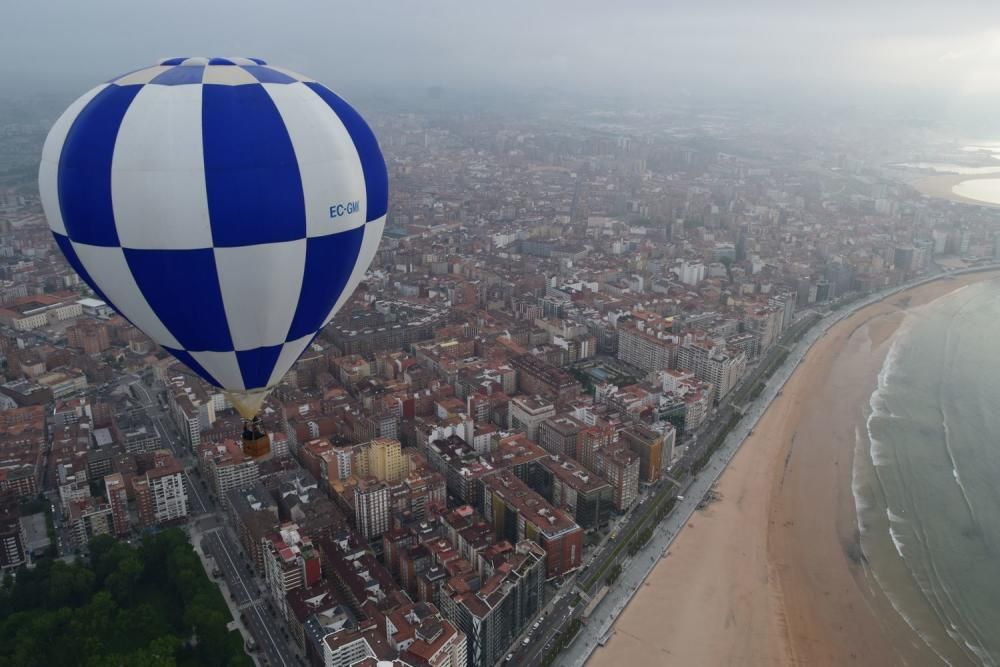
pixel 940 186
pixel 772 573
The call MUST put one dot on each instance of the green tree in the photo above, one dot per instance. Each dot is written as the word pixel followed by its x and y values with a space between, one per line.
pixel 127 607
pixel 69 585
pixel 123 581
pixel 93 626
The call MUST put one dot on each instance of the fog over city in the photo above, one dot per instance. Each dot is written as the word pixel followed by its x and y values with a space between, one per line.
pixel 941 54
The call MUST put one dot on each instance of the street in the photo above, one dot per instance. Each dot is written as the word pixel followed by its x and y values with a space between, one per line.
pixel 242 585
pixel 171 438
pixel 246 593
pixel 550 624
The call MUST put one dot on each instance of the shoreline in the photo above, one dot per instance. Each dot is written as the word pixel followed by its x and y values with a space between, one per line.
pixel 769 575
pixel 940 186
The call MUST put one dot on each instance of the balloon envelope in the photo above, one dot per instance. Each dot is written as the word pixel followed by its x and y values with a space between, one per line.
pixel 225 207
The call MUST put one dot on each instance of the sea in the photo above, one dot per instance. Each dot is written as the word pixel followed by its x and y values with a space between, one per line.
pixel 927 476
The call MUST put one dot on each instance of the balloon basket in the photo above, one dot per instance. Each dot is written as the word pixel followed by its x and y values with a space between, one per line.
pixel 256 442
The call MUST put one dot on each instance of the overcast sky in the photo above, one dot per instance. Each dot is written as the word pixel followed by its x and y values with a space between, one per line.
pixel 949 49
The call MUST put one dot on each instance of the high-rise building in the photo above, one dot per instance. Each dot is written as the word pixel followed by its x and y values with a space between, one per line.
pixel 647 343
pixel 88 335
pixel 528 412
pixel 227 467
pixel 786 300
pixel 255 516
pixel 353 646
pixel 88 518
pixel 493 612
pixel 669 434
pixel 137 433
pixel 160 492
pixel 421 637
pixel 114 487
pixel 558 435
pixel 12 540
pixel 372 501
pixel 290 561
pixel 723 368
pixel 385 460
pixel 518 513
pixel 691 273
pixel 648 444
pixel 620 466
pixel 584 494
pixel 588 442
pixel 766 322
pixel 167 494
pixel 191 406
pixel 902 259
pixel 535 376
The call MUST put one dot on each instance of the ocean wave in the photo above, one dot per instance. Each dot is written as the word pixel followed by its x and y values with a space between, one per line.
pixel 915 548
pixel 954 465
pixel 981 653
pixel 897 541
pixel 939 599
pixel 861 502
pixel 968 625
pixel 943 600
pixel 941 398
pixel 984 656
pixel 865 498
pixel 878 404
pixel 897 605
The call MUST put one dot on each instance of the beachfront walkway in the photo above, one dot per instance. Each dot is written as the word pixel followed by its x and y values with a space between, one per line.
pixel 636 570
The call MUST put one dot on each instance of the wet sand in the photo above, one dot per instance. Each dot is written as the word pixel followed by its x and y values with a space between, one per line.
pixel 772 573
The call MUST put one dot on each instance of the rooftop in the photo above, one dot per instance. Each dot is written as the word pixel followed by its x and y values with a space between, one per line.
pixel 574 475
pixel 550 521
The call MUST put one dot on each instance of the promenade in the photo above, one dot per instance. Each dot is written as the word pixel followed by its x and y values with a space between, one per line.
pixel 635 570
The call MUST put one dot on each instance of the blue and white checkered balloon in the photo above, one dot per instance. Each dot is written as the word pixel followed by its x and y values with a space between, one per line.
pixel 225 207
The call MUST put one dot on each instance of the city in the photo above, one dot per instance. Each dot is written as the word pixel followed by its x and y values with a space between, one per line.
pixel 564 322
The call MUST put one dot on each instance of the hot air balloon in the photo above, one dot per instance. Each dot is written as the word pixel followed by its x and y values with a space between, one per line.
pixel 225 207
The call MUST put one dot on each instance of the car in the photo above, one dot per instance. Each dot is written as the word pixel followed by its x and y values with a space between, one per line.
pixel 535 626
pixel 510 656
pixel 680 497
